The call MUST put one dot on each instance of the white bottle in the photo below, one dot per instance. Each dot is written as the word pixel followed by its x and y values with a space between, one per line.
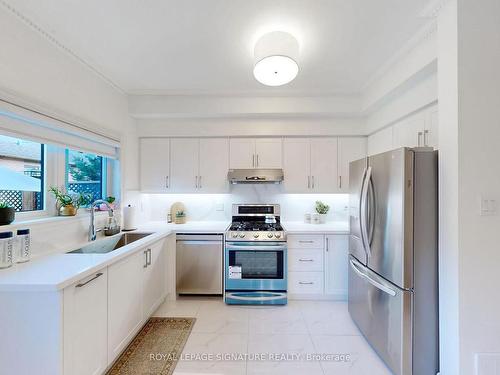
pixel 23 246
pixel 6 241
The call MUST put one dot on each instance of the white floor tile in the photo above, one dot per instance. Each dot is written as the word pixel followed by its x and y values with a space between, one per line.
pixel 179 308
pixel 330 318
pixel 284 368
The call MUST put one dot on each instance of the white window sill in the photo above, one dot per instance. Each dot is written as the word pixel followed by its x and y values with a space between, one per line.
pixel 41 220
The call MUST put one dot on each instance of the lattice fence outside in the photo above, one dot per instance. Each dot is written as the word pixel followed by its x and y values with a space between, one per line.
pixel 22 201
pixel 92 187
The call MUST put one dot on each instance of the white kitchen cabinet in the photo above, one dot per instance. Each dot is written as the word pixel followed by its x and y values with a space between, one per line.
pixel 431 128
pixel 85 325
pixel 268 153
pixel 324 165
pixel 349 149
pixel 250 153
pixel 297 164
pixel 184 165
pixel 154 164
pixel 154 278
pixel 336 265
pixel 409 132
pixel 214 164
pixel 125 315
pixel 305 283
pixel 380 141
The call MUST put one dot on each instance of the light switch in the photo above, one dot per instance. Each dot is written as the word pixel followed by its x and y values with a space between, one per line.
pixel 488 206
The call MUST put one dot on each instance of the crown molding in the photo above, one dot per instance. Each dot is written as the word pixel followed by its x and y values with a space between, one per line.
pixel 61 46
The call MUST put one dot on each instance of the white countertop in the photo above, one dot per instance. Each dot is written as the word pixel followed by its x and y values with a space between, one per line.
pixel 57 271
pixel 332 227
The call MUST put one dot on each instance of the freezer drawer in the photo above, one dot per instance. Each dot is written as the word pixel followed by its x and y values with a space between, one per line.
pixel 382 312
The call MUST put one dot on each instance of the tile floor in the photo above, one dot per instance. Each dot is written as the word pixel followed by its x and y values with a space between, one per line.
pixel 294 333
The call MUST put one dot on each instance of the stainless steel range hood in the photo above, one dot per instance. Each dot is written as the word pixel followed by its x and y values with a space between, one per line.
pixel 255 176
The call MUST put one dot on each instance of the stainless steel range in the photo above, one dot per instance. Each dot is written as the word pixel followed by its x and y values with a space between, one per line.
pixel 255 256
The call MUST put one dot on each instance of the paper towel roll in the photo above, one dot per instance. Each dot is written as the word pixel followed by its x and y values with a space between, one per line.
pixel 129 218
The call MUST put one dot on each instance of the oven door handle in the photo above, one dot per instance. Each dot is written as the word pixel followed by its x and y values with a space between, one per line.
pixel 272 297
pixel 256 247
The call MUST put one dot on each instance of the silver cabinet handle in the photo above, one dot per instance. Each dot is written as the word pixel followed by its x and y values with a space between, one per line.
pixel 419 139
pixel 199 182
pixel 340 182
pixel 306 241
pixel 308 182
pixel 306 260
pixel 148 257
pixel 196 182
pixel 257 159
pixel 327 244
pixel 167 185
pixel 306 283
pixel 145 259
pixel 88 281
pixel 253 160
pixel 426 140
pixel 313 182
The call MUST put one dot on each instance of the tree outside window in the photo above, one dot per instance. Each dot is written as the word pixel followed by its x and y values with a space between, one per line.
pixel 85 174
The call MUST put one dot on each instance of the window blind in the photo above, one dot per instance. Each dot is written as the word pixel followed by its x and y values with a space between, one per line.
pixel 24 123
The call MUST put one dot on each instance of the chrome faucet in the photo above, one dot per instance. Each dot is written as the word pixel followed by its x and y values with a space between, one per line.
pixel 92 230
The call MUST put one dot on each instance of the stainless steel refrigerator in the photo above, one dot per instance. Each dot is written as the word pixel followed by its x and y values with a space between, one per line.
pixel 393 260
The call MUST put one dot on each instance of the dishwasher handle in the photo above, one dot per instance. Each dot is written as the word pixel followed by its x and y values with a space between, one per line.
pixel 200 237
pixel 200 242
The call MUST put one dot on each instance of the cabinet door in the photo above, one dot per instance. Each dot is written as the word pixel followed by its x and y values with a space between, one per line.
pixel 336 265
pixel 124 302
pixel 184 164
pixel 410 131
pixel 380 141
pixel 155 164
pixel 86 325
pixel 324 165
pixel 214 164
pixel 431 129
pixel 297 165
pixel 350 149
pixel 242 153
pixel 154 279
pixel 268 153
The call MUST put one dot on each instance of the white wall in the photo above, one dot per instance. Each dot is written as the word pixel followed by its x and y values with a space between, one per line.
pixel 205 206
pixel 469 249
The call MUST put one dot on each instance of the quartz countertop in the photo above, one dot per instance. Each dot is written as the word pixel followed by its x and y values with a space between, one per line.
pixel 332 227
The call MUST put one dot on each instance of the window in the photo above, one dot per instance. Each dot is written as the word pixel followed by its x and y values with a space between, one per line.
pixel 86 173
pixel 21 174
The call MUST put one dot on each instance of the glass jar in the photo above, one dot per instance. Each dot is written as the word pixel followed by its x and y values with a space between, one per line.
pixel 6 242
pixel 22 251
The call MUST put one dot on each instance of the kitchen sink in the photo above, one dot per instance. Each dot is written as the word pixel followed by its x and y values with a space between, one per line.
pixel 107 245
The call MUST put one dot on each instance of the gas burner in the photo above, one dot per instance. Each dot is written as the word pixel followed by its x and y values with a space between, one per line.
pixel 249 223
pixel 255 226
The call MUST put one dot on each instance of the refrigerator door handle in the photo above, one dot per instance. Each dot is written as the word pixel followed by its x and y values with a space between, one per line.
pixel 372 208
pixel 360 207
pixel 364 207
pixel 375 283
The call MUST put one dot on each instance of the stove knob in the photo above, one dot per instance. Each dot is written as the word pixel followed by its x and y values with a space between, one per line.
pixel 234 234
pixel 256 235
pixel 270 235
pixel 242 235
pixel 277 235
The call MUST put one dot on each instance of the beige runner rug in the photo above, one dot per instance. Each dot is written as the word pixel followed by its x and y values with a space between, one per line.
pixel 155 349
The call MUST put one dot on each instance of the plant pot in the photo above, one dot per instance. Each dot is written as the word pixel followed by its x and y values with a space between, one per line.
pixel 322 218
pixel 69 210
pixel 180 220
pixel 7 215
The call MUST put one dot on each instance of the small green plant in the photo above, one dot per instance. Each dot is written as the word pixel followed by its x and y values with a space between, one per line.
pixel 4 205
pixel 64 199
pixel 180 214
pixel 322 208
pixel 110 199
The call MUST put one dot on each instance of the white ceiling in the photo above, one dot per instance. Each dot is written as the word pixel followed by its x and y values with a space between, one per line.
pixel 206 46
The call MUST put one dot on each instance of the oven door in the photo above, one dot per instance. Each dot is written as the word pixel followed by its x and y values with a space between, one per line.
pixel 255 266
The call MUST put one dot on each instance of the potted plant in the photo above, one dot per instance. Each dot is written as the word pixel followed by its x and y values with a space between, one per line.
pixel 7 214
pixel 180 217
pixel 322 209
pixel 68 204
pixel 111 201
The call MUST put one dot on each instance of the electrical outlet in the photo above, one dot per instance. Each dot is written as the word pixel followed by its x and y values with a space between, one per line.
pixel 488 206
pixel 219 207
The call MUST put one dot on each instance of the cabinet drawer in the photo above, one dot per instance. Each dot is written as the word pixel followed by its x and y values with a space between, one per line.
pixel 305 282
pixel 305 242
pixel 305 260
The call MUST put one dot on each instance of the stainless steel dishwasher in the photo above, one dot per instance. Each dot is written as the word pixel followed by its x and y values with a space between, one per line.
pixel 199 263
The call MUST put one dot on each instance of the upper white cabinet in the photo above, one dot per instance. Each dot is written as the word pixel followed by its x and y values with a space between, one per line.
pixel 349 149
pixel 155 164
pixel 410 132
pixel 324 165
pixel 431 127
pixel 184 165
pixel 214 164
pixel 297 164
pixel 249 153
pixel 380 141
pixel 85 325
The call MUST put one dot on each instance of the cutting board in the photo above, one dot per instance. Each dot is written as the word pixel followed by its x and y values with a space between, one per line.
pixel 178 206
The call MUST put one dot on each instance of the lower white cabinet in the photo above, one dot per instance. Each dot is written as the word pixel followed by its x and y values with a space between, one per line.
pixel 336 264
pixel 305 283
pixel 85 325
pixel 124 301
pixel 154 279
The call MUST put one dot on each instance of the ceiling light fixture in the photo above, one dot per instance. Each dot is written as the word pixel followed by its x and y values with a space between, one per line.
pixel 276 56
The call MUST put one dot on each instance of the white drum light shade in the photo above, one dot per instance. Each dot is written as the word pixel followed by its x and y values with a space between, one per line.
pixel 276 57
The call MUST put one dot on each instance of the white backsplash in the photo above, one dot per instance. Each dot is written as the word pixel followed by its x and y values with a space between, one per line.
pixel 201 207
